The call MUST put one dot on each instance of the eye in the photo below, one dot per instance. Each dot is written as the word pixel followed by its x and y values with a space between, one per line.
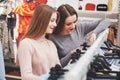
pixel 68 24
pixel 53 20
pixel 75 21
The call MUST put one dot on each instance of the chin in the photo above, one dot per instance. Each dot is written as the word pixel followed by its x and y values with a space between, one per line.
pixel 50 32
pixel 71 31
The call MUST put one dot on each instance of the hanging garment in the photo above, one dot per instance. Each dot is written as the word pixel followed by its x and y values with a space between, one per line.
pixel 11 22
pixel 111 35
pixel 6 40
pixel 2 66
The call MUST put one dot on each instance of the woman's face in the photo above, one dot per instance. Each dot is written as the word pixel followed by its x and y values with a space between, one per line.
pixel 69 26
pixel 52 24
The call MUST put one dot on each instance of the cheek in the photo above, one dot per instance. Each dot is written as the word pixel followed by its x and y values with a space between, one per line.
pixel 66 28
pixel 48 29
pixel 75 23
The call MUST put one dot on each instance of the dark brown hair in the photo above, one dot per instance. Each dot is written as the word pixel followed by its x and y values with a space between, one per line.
pixel 65 11
pixel 40 21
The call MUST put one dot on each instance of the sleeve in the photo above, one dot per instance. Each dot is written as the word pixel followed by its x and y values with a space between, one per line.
pixel 95 26
pixel 56 55
pixel 64 61
pixel 25 61
pixel 102 25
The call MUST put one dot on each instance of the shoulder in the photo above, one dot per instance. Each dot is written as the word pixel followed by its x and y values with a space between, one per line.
pixel 82 24
pixel 51 42
pixel 25 40
pixel 26 46
pixel 25 43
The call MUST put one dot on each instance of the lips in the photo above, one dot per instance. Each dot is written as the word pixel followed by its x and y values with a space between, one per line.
pixel 52 27
pixel 71 29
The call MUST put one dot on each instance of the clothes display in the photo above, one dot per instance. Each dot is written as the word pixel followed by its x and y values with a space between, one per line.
pixel 104 65
pixel 6 41
pixel 17 15
pixel 5 34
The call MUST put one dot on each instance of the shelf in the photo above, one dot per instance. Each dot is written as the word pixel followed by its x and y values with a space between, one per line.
pixel 98 14
pixel 87 19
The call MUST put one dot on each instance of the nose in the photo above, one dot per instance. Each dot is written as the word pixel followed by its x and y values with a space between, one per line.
pixel 55 24
pixel 73 25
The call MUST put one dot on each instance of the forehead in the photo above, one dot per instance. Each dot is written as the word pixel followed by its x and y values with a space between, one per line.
pixel 71 19
pixel 54 15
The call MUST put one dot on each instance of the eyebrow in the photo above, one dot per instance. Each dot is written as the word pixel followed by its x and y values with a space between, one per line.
pixel 71 22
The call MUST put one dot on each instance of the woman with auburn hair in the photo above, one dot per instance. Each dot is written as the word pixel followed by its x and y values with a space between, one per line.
pixel 36 54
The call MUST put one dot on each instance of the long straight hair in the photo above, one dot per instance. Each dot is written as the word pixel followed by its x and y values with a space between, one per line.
pixel 40 21
pixel 65 11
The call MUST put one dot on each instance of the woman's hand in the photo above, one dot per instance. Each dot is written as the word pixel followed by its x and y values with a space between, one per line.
pixel 74 50
pixel 92 39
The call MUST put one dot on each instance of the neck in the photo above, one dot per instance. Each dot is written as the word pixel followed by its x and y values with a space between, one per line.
pixel 64 33
pixel 41 38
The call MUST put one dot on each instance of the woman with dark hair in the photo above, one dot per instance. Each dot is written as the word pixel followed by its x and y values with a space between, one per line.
pixel 36 54
pixel 70 33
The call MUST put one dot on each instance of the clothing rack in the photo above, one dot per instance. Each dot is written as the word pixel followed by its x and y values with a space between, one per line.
pixel 13 77
pixel 79 71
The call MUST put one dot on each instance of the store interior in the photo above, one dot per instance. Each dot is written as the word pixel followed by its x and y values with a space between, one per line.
pixel 82 69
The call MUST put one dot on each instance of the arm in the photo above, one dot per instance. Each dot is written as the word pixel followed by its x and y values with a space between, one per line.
pixel 105 23
pixel 55 55
pixel 25 61
pixel 92 29
pixel 95 26
pixel 65 60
